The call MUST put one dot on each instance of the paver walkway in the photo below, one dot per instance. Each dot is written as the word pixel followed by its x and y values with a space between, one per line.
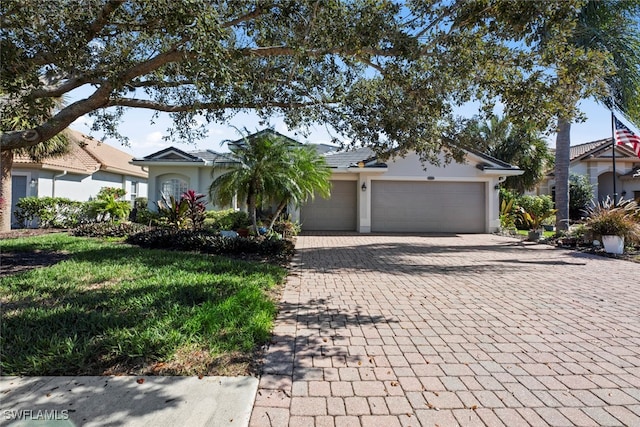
pixel 463 330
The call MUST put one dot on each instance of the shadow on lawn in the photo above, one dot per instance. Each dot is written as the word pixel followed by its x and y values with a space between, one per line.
pixel 114 324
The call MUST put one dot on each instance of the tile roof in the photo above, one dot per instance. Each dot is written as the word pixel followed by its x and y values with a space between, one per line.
pixel 338 159
pixel 86 156
pixel 580 150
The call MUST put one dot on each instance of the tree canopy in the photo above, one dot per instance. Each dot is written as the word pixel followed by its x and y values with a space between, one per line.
pixel 386 74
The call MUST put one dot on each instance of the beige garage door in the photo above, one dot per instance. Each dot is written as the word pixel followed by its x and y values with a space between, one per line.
pixel 428 207
pixel 337 213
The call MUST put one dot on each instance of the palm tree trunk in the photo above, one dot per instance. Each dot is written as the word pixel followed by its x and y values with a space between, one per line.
pixel 563 145
pixel 6 162
pixel 279 209
pixel 251 206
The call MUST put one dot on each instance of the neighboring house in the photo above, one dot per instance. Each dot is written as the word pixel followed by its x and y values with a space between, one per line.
pixel 366 196
pixel 595 161
pixel 79 174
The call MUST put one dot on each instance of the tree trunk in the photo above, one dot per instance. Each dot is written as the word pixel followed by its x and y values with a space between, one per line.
pixel 563 145
pixel 6 162
pixel 252 208
pixel 281 206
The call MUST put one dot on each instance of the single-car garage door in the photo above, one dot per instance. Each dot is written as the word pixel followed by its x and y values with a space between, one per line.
pixel 338 213
pixel 430 207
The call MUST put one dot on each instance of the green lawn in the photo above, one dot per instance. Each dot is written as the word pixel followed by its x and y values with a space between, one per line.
pixel 113 308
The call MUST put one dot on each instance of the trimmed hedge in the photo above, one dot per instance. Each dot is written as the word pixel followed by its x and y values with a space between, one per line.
pixel 207 242
pixel 109 229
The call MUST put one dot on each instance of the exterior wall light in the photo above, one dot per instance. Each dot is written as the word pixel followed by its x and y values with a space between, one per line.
pixel 364 186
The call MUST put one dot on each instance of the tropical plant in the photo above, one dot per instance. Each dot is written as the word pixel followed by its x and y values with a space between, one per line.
pixel 173 210
pixel 535 210
pixel 196 207
pixel 514 143
pixel 607 218
pixel 268 166
pixel 607 31
pixel 306 176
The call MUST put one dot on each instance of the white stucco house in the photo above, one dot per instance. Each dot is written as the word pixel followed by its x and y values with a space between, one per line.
pixel 398 195
pixel 79 174
pixel 595 161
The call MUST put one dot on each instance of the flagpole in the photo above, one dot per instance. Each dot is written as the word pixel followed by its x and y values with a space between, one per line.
pixel 613 150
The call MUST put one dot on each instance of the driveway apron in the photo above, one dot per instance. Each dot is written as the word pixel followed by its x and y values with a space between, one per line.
pixel 471 330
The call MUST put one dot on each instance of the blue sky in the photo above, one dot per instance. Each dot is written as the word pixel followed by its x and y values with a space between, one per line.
pixel 146 138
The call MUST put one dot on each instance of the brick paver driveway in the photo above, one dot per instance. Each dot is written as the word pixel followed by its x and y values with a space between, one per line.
pixel 462 330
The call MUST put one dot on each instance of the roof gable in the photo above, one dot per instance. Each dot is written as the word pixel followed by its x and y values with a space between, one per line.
pixel 599 149
pixel 172 154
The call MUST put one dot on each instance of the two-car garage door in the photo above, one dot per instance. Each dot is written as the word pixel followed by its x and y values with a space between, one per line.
pixel 428 207
pixel 402 206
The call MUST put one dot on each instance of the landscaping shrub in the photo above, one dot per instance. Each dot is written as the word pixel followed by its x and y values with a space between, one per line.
pixel 107 206
pixel 580 194
pixel 109 229
pixel 286 228
pixel 50 212
pixel 228 219
pixel 206 242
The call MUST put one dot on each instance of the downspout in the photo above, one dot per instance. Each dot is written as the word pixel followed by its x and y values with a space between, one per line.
pixel 53 183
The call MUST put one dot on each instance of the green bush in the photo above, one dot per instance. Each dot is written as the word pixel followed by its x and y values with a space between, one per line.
pixel 147 217
pixel 206 242
pixel 535 209
pixel 580 195
pixel 108 229
pixel 50 212
pixel 228 219
pixel 287 228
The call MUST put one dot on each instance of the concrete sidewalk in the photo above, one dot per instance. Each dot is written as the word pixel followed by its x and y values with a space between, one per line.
pixel 473 330
pixel 126 401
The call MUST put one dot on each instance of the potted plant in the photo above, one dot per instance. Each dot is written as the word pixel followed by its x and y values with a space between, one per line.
pixel 534 210
pixel 613 223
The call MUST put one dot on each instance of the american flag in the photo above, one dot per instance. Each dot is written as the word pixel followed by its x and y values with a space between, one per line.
pixel 624 136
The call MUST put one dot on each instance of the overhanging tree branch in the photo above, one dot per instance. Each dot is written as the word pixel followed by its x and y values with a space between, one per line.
pixel 197 106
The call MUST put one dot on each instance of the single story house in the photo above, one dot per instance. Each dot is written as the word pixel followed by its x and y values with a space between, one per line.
pixel 595 161
pixel 78 175
pixel 399 195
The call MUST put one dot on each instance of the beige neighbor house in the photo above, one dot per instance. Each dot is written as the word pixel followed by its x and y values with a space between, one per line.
pixel 367 195
pixel 595 161
pixel 79 174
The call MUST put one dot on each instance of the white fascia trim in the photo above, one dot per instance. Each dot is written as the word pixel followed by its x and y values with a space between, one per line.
pixel 181 164
pixel 502 172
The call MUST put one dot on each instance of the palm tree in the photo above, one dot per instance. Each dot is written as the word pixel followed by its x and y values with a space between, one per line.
pixel 54 147
pixel 266 167
pixel 306 176
pixel 611 27
pixel 514 144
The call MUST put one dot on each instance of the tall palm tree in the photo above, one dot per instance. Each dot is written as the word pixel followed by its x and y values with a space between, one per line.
pixel 611 27
pixel 54 147
pixel 306 176
pixel 264 168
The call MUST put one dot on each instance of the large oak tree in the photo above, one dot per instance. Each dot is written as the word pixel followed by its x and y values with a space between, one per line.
pixel 385 74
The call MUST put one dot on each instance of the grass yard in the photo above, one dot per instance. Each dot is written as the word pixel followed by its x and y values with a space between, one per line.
pixel 106 307
pixel 546 234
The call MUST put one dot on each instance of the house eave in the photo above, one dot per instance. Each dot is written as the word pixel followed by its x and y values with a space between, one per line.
pixel 139 162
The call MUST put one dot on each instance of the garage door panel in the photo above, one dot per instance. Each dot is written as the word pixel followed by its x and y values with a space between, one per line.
pixel 403 206
pixel 338 213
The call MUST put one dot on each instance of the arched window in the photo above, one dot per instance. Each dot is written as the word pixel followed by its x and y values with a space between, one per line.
pixel 174 187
